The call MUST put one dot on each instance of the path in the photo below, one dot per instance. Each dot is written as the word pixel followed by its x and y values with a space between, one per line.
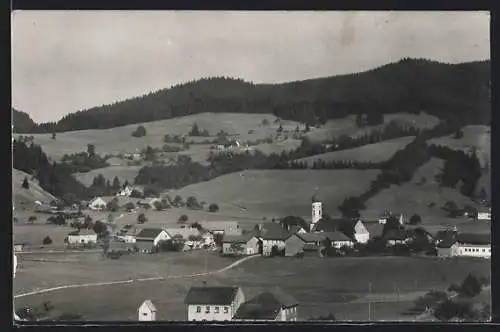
pixel 47 290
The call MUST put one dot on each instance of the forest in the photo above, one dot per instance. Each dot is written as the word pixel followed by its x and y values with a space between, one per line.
pixel 454 92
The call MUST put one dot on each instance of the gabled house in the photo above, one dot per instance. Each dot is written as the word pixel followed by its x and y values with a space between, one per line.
pixel 361 234
pixel 338 239
pixel 272 235
pixel 192 236
pixel 397 236
pixel 222 227
pixel 375 229
pixel 130 235
pixel 82 236
pixel 268 306
pixel 148 239
pixel 213 303
pixel 147 311
pixel 294 245
pixel 238 245
pixel 312 241
pixel 466 245
pixel 97 204
pixel 296 229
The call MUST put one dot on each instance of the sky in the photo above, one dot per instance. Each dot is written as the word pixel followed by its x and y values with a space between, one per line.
pixel 65 61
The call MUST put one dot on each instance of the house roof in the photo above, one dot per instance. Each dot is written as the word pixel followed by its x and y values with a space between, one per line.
pixel 265 306
pixel 312 237
pixel 294 229
pixel 336 236
pixel 83 232
pixel 441 235
pixel 359 227
pixel 243 238
pixel 149 233
pixel 396 234
pixel 273 231
pixel 97 200
pixel 184 232
pixel 474 238
pixel 149 305
pixel 211 295
pixel 220 225
pixel 374 229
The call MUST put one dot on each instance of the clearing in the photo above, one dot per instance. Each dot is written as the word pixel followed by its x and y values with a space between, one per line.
pixel 278 193
pixel 377 152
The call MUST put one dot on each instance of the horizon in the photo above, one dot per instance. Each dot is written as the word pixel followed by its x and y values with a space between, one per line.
pixel 85 67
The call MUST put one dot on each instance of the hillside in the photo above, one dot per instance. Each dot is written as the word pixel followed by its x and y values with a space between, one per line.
pixel 25 198
pixel 456 92
pixel 22 122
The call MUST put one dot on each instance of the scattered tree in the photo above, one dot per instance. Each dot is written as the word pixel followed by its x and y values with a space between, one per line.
pixel 452 209
pixel 158 205
pixel 113 205
pixel 99 227
pixel 178 201
pixel 470 287
pixel 192 203
pixel 183 218
pixel 213 207
pixel 139 132
pixel 141 219
pixel 265 122
pixel 25 184
pixel 53 135
pixel 129 206
pixel 415 219
pixel 47 240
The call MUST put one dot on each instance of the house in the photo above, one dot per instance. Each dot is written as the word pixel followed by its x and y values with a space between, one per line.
pixel 361 234
pixel 97 204
pixel 268 306
pixel 312 241
pixel 18 247
pixel 397 236
pixel 222 227
pixel 213 303
pixel 208 239
pixel 466 245
pixel 338 239
pixel 484 214
pixel 294 245
pixel 239 245
pixel 272 235
pixel 82 236
pixel 191 235
pixel 125 192
pixel 296 229
pixel 147 311
pixel 375 229
pixel 130 235
pixel 148 238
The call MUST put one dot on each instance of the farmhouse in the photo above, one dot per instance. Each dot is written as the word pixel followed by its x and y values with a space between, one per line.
pixel 222 227
pixel 466 245
pixel 213 303
pixel 361 234
pixel 268 306
pixel 272 235
pixel 125 192
pixel 238 245
pixel 338 239
pixel 148 238
pixel 397 236
pixel 82 236
pixel 147 311
pixel 374 229
pixel 312 241
pixel 130 235
pixel 97 204
pixel 294 245
pixel 191 235
pixel 484 214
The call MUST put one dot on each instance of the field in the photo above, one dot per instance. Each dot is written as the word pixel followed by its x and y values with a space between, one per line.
pixel 33 235
pixel 339 286
pixel 347 125
pixel 278 193
pixel 377 152
pixel 25 198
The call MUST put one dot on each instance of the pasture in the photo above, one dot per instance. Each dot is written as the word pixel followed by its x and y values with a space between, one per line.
pixel 25 198
pixel 416 195
pixel 339 285
pixel 278 193
pixel 377 152
pixel 33 235
pixel 347 125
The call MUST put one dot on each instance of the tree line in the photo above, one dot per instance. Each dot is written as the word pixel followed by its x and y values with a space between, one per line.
pixel 444 90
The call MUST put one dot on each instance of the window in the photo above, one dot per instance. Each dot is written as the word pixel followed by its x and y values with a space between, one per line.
pixel 207 310
pixel 198 309
pixel 482 250
pixel 144 313
pixel 226 310
pixel 216 310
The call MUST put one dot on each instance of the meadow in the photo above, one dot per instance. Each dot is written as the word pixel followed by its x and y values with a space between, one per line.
pixel 339 285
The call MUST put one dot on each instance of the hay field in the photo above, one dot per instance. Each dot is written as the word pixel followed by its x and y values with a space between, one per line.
pixel 278 193
pixel 414 197
pixel 347 125
pixel 377 152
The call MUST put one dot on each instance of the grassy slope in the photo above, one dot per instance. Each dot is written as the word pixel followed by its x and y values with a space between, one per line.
pixel 377 152
pixel 333 282
pixel 282 192
pixel 25 198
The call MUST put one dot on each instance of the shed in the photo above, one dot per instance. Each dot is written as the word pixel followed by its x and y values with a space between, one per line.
pixel 147 311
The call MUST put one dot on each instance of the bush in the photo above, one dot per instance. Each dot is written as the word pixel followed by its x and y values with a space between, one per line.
pixel 47 240
pixel 415 219
pixel 447 310
pixel 470 287
pixel 129 206
pixel 25 184
pixel 183 218
pixel 192 203
pixel 213 208
pixel 139 132
pixel 136 194
pixel 141 219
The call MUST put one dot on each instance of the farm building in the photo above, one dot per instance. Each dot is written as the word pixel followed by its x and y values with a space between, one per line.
pixel 82 236
pixel 375 229
pixel 125 192
pixel 191 235
pixel 296 229
pixel 213 303
pixel 397 236
pixel 268 306
pixel 361 233
pixel 130 235
pixel 338 239
pixel 294 245
pixel 236 245
pixel 222 227
pixel 148 238
pixel 466 245
pixel 313 241
pixel 147 311
pixel 18 247
pixel 272 235
pixel 484 214
pixel 97 204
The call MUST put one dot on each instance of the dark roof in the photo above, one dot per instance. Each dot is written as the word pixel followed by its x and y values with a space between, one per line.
pixel 336 236
pixel 273 231
pixel 264 306
pixel 473 238
pixel 243 238
pixel 396 234
pixel 312 237
pixel 442 235
pixel 446 242
pixel 211 295
pixel 149 233
pixel 294 229
pixel 374 229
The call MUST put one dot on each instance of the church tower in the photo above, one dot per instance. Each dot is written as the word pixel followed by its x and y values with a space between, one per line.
pixel 317 212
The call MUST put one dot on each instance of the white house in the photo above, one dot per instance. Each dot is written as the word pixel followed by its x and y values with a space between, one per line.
pixel 236 245
pixel 338 239
pixel 272 235
pixel 130 235
pixel 484 214
pixel 222 227
pixel 148 238
pixel 147 311
pixel 213 303
pixel 82 236
pixel 125 192
pixel 466 245
pixel 97 204
pixel 361 234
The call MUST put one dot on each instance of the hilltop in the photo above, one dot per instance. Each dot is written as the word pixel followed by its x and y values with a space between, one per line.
pixel 22 122
pixel 457 92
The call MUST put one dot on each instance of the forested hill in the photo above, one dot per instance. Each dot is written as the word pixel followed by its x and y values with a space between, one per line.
pixel 22 122
pixel 457 92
